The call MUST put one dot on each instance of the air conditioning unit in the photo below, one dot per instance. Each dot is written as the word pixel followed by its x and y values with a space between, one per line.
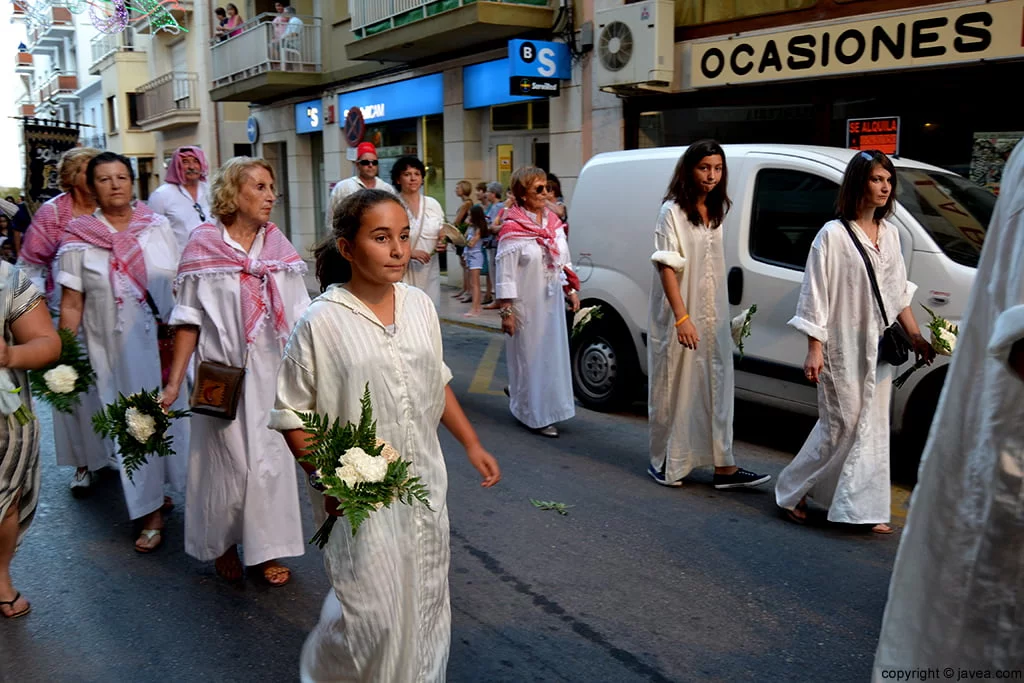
pixel 634 46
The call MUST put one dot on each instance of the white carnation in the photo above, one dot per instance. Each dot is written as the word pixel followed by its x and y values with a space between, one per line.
pixel 349 475
pixel 353 456
pixel 389 453
pixel 582 316
pixel 946 340
pixel 372 468
pixel 140 425
pixel 737 325
pixel 61 379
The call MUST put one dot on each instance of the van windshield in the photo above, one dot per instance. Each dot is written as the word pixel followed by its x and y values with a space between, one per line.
pixel 953 210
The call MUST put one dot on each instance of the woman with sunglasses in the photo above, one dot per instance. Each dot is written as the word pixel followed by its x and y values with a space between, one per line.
pixel 367 168
pixel 533 284
pixel 184 199
pixel 844 464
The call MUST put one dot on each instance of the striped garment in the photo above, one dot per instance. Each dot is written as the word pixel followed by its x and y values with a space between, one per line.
pixel 19 445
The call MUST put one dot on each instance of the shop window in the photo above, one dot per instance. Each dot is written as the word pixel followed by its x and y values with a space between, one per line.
pixel 133 109
pixel 790 207
pixel 693 12
pixel 521 116
pixel 112 114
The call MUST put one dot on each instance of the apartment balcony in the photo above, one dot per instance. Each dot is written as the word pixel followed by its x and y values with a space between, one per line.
pixel 264 60
pixel 23 63
pixel 107 47
pixel 58 26
pixel 170 101
pixel 26 105
pixel 60 88
pixel 146 24
pixel 19 9
pixel 408 30
pixel 98 141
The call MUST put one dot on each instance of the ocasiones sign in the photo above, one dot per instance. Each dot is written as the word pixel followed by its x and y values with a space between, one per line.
pixel 946 35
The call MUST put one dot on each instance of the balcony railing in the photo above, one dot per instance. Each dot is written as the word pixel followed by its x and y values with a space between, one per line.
pixel 60 85
pixel 267 43
pixel 57 25
pixel 106 44
pixel 97 141
pixel 170 94
pixel 23 62
pixel 370 17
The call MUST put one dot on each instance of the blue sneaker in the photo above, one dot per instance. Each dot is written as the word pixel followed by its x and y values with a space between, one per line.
pixel 660 478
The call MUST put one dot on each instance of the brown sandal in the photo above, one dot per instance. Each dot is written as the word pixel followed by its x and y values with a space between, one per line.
pixel 273 571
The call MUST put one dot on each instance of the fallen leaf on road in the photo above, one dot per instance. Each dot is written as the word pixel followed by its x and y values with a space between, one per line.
pixel 560 508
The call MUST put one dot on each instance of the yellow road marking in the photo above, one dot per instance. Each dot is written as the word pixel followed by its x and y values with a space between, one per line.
pixel 900 505
pixel 484 376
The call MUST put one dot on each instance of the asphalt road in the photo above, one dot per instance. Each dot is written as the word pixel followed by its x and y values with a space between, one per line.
pixel 636 583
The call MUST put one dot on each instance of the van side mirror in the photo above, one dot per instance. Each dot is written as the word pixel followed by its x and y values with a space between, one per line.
pixel 735 282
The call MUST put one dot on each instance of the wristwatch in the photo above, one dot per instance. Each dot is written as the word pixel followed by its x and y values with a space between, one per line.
pixel 316 482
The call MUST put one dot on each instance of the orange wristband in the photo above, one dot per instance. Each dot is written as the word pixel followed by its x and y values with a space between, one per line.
pixel 682 320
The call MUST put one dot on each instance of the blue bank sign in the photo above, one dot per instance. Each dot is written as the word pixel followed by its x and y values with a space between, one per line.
pixel 539 59
pixel 401 100
pixel 309 116
pixel 486 85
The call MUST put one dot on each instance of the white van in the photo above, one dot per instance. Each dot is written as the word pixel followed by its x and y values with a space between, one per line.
pixel 782 195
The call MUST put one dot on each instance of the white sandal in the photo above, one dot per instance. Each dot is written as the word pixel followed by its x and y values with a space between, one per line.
pixel 149 534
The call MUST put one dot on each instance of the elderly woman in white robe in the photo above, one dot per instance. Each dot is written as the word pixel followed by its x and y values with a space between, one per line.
pixel 844 464
pixel 534 283
pixel 388 616
pixel 425 219
pixel 240 290
pixel 108 263
pixel 689 347
pixel 955 597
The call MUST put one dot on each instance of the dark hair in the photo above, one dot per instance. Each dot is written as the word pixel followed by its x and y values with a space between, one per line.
pixel 106 158
pixel 331 267
pixel 220 12
pixel 684 192
pixel 11 199
pixel 404 163
pixel 481 187
pixel 555 184
pixel 855 184
pixel 231 5
pixel 478 219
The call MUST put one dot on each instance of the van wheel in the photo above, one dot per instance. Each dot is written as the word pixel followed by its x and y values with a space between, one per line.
pixel 917 423
pixel 602 367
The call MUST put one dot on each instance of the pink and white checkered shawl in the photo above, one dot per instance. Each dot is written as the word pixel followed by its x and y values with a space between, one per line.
pixel 127 261
pixel 208 254
pixel 42 239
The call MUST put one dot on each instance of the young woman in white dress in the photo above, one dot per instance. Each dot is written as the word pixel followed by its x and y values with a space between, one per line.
pixel 425 219
pixel 844 464
pixel 689 346
pixel 108 262
pixel 240 291
pixel 388 617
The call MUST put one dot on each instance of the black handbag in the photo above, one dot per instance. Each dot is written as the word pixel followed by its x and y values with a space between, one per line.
pixel 895 344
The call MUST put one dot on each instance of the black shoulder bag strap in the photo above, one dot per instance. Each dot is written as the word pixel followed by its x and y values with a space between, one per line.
pixel 152 307
pixel 871 270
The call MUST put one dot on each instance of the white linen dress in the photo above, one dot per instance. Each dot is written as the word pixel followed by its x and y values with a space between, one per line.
pixel 174 203
pixel 241 475
pixel 424 232
pixel 123 350
pixel 539 375
pixel 956 595
pixel 388 617
pixel 690 392
pixel 844 464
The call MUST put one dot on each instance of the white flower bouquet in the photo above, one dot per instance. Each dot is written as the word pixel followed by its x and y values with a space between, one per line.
pixel 139 425
pixel 741 327
pixel 361 472
pixel 944 335
pixel 62 383
pixel 584 317
pixel 10 399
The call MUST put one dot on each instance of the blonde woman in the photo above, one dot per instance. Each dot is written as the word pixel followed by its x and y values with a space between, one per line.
pixel 464 191
pixel 75 442
pixel 239 292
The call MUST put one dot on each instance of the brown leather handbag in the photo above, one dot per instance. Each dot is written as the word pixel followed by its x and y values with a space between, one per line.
pixel 164 341
pixel 218 389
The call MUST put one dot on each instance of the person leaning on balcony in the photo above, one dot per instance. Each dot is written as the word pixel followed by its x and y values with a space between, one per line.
pixel 365 179
pixel 231 24
pixel 184 198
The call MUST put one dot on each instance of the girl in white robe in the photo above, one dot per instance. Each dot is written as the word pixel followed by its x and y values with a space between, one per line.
pixel 241 478
pixel 844 464
pixel 533 288
pixel 388 616
pixel 119 327
pixel 955 597
pixel 689 343
pixel 425 219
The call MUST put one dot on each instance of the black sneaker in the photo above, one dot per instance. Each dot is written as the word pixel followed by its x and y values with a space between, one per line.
pixel 660 477
pixel 740 479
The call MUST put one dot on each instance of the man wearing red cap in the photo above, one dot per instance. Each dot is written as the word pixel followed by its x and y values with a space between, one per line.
pixel 366 179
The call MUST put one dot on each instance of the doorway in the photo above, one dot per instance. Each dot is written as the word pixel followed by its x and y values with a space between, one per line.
pixel 506 153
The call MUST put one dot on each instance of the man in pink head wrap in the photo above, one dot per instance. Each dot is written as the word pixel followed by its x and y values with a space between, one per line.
pixel 366 178
pixel 184 196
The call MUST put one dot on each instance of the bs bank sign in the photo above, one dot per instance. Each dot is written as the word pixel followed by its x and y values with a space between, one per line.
pixel 401 100
pixel 950 35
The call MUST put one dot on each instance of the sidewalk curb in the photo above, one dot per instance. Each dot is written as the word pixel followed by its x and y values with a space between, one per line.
pixel 469 325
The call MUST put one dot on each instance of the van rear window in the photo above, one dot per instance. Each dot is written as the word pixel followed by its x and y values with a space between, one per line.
pixel 953 210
